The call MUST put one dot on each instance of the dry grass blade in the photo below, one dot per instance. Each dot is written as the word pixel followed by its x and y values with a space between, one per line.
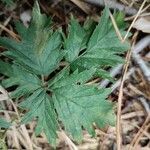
pixel 139 134
pixel 3 97
pixel 120 96
pixel 145 69
pixel 137 15
pixel 117 84
pixel 132 114
pixel 15 36
pixel 8 98
pixel 15 139
pixel 68 141
pixel 144 9
pixel 116 27
pixel 146 133
pixel 125 2
pixel 145 105
pixel 6 22
pixel 133 88
pixel 114 5
pixel 24 130
pixel 27 137
pixel 14 132
pixel 82 6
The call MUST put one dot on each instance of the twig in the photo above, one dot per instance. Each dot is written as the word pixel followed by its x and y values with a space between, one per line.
pixel 113 72
pixel 146 133
pixel 3 97
pixel 125 2
pixel 132 115
pixel 142 44
pixel 137 15
pixel 6 22
pixel 21 139
pixel 15 36
pixel 145 105
pixel 27 137
pixel 14 132
pixel 118 126
pixel 22 126
pixel 93 81
pixel 116 27
pixel 71 145
pixel 8 98
pixel 144 9
pixel 82 6
pixel 113 5
pixel 141 15
pixel 114 86
pixel 136 126
pixel 145 69
pixel 139 134
pixel 137 91
pixel 131 4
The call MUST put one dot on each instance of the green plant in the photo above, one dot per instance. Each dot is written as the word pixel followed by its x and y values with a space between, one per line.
pixel 4 124
pixel 51 72
pixel 8 2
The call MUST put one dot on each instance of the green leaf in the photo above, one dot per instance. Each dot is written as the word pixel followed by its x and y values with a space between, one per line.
pixel 104 74
pixel 105 33
pixel 119 18
pixel 103 48
pixel 61 75
pixel 8 2
pixel 73 43
pixel 39 48
pixel 57 96
pixel 89 26
pixel 4 123
pixel 75 78
pixel 80 105
pixel 41 106
pixel 5 68
pixel 26 81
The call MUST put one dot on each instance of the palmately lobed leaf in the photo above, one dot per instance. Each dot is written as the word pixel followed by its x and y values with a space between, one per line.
pixel 39 48
pixel 56 95
pixel 103 47
pixel 80 105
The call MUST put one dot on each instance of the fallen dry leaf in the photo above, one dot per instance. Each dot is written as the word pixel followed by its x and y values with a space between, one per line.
pixel 143 24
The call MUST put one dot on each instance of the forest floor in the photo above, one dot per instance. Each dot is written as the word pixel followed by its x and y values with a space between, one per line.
pixel 131 91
